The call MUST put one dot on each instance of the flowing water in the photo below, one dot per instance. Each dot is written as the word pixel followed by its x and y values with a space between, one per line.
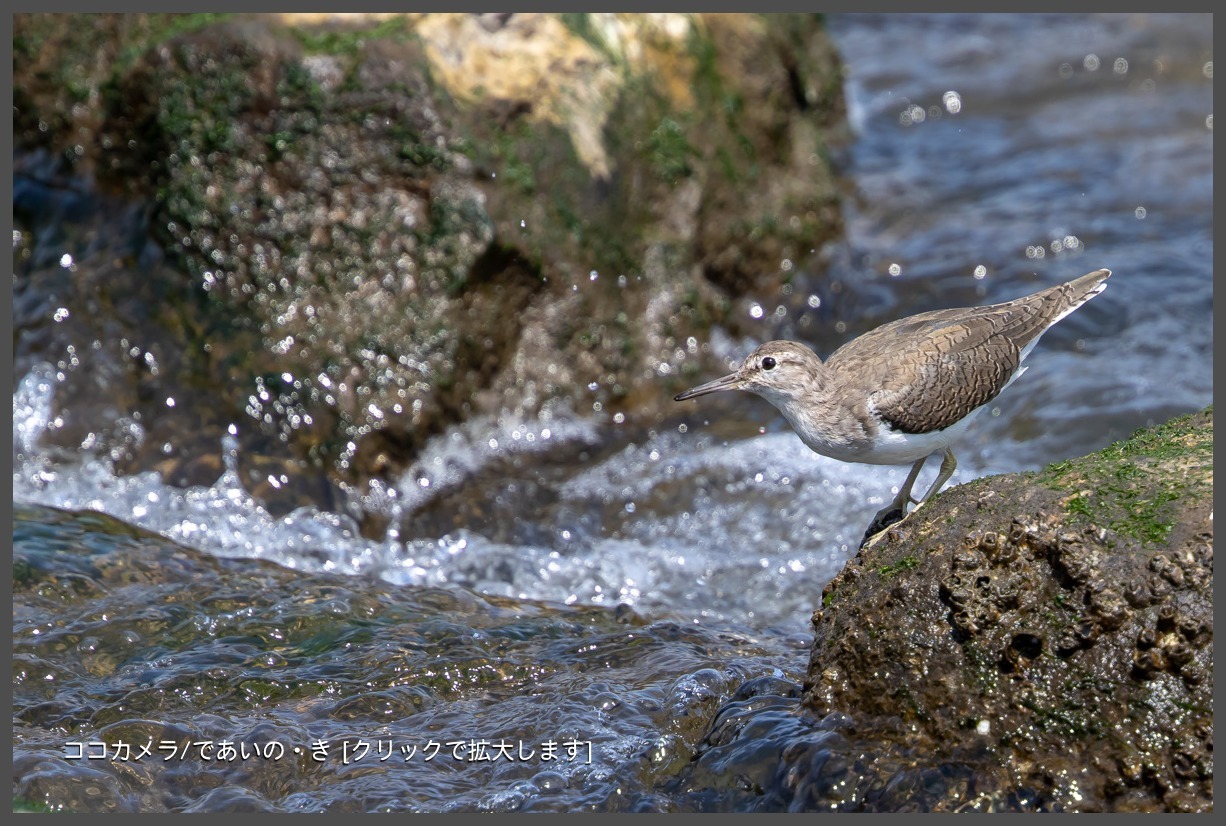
pixel 992 156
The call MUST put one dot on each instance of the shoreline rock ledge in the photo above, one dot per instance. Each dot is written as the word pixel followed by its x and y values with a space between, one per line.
pixel 1033 641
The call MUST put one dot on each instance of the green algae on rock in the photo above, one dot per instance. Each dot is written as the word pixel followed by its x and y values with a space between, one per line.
pixel 392 224
pixel 1062 652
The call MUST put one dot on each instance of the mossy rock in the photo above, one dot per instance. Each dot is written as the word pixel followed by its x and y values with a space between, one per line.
pixel 1040 626
pixel 373 240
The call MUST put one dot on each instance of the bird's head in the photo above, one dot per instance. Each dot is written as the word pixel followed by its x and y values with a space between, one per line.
pixel 778 371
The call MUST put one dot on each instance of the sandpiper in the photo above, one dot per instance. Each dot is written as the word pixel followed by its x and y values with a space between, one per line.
pixel 904 391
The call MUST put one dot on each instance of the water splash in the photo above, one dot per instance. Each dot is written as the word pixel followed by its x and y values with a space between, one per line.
pixel 677 524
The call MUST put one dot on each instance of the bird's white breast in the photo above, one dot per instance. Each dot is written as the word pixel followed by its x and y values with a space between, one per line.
pixel 893 447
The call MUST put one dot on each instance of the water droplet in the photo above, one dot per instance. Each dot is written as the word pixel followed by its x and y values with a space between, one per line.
pixel 912 115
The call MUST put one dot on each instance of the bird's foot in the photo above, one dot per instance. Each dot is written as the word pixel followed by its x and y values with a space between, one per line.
pixel 885 518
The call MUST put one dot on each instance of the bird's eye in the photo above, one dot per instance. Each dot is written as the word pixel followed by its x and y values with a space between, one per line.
pixel 768 363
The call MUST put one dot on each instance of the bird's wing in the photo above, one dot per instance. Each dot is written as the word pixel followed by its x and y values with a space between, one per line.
pixel 926 372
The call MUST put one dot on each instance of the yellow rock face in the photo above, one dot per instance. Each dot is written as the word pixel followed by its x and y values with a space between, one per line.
pixel 541 67
pixel 531 59
pixel 316 18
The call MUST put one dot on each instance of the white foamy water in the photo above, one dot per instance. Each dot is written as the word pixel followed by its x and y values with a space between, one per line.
pixel 747 531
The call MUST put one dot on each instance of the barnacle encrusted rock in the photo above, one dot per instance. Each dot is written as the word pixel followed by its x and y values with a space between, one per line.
pixel 348 234
pixel 1051 631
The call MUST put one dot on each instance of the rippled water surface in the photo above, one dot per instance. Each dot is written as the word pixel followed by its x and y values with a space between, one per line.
pixel 993 156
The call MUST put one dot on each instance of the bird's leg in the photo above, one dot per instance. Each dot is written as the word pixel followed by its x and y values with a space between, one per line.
pixel 948 465
pixel 897 509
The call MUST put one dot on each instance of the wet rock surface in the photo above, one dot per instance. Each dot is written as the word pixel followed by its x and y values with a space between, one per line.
pixel 1002 651
pixel 200 683
pixel 1053 633
pixel 339 239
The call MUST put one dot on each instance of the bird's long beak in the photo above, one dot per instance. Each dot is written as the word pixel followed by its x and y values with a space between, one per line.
pixel 732 381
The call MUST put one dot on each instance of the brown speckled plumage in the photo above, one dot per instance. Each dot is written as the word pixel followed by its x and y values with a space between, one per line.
pixel 927 371
pixel 901 392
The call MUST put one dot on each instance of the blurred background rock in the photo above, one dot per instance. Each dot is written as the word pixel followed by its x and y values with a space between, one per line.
pixel 347 232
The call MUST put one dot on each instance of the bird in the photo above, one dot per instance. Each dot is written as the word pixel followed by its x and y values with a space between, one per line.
pixel 905 391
